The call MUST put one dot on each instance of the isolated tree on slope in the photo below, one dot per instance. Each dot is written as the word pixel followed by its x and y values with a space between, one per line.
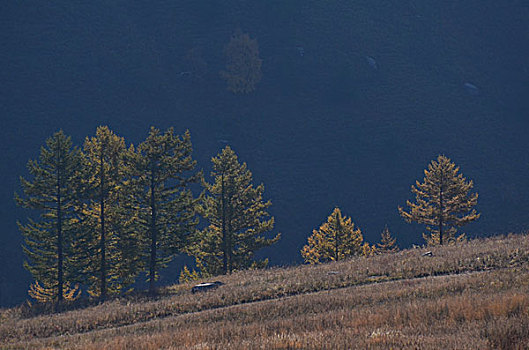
pixel 237 217
pixel 335 240
pixel 443 201
pixel 49 241
pixel 161 170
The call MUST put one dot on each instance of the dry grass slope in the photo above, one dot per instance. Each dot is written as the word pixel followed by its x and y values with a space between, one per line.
pixel 470 296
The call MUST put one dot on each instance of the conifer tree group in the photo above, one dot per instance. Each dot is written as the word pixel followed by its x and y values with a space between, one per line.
pixel 110 212
pixel 339 238
pixel 443 203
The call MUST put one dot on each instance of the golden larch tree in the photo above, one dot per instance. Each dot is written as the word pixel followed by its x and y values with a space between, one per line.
pixel 387 242
pixel 443 201
pixel 336 239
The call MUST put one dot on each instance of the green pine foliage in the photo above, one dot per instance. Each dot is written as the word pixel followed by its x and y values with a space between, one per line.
pixel 49 245
pixel 443 202
pixel 237 216
pixel 161 171
pixel 112 259
pixel 336 239
pixel 109 212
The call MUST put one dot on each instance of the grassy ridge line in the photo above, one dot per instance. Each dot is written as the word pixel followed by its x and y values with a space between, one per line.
pixel 249 286
pixel 146 324
pixel 440 307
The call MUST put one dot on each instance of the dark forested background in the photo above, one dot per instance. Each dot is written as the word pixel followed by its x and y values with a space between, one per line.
pixel 356 98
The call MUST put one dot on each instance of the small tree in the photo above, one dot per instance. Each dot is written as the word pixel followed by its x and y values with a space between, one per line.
pixel 238 219
pixel 243 65
pixel 443 201
pixel 387 242
pixel 335 240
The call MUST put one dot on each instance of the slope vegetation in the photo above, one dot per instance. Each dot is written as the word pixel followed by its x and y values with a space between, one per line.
pixel 473 295
pixel 356 98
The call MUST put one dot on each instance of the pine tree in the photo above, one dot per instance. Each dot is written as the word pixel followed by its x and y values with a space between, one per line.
pixel 335 240
pixel 49 241
pixel 112 252
pixel 443 201
pixel 238 219
pixel 387 242
pixel 162 170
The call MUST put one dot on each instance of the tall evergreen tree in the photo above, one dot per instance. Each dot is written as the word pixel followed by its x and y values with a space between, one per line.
pixel 238 218
pixel 335 240
pixel 112 259
pixel 49 241
pixel 162 170
pixel 443 201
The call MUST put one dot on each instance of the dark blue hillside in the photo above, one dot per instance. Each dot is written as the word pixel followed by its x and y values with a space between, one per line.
pixel 356 98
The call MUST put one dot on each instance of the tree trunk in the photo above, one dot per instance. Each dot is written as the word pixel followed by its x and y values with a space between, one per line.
pixel 224 233
pixel 152 266
pixel 441 211
pixel 103 294
pixel 60 258
pixel 229 244
pixel 336 233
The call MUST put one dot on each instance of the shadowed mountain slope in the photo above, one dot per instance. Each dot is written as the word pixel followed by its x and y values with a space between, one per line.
pixel 356 98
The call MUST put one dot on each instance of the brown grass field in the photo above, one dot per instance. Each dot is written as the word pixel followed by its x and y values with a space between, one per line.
pixel 473 295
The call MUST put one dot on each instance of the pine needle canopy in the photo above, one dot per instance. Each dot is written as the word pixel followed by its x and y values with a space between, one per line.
pixel 387 242
pixel 443 201
pixel 335 240
pixel 50 239
pixel 238 219
pixel 111 262
pixel 161 171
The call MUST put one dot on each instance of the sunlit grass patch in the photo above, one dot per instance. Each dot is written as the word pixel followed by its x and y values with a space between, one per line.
pixel 395 300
